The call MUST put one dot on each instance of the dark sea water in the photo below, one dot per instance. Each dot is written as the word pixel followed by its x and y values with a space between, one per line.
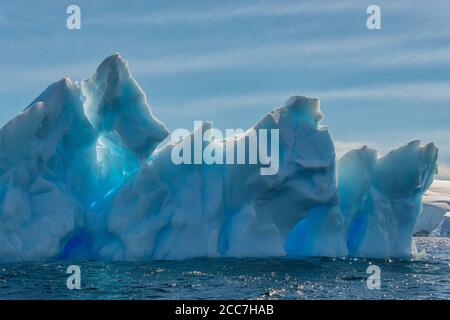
pixel 274 278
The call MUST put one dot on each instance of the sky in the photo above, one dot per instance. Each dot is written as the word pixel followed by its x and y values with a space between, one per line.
pixel 231 62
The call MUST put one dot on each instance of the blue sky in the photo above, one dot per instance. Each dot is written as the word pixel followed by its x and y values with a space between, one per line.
pixel 232 61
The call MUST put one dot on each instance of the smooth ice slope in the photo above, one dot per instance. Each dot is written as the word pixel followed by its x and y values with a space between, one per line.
pixel 84 175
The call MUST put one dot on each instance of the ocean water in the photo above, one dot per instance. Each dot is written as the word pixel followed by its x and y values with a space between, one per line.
pixel 274 278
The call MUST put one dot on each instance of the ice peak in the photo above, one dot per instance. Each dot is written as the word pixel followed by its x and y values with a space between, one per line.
pixel 57 91
pixel 302 101
pixel 114 62
pixel 115 102
pixel 304 105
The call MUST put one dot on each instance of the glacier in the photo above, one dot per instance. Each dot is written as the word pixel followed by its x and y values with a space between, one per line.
pixel 86 173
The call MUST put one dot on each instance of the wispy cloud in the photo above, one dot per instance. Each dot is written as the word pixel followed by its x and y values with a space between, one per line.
pixel 435 90
pixel 226 11
pixel 19 79
pixel 213 12
pixel 411 57
pixel 405 91
pixel 274 54
pixel 400 49
pixel 385 51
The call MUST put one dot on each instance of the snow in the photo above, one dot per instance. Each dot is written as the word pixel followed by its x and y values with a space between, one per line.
pixel 86 173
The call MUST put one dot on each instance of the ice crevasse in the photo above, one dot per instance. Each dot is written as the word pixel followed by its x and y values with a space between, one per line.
pixel 86 173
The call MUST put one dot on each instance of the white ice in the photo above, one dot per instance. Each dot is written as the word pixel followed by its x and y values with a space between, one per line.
pixel 436 211
pixel 85 174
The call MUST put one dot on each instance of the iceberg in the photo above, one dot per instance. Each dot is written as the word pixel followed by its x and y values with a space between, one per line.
pixel 64 151
pixel 443 229
pixel 168 211
pixel 384 208
pixel 86 173
pixel 379 202
pixel 436 209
